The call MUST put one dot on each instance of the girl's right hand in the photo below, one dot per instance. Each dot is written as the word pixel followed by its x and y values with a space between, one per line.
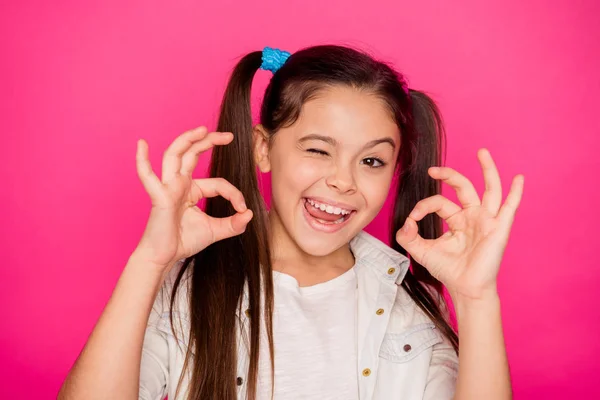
pixel 177 228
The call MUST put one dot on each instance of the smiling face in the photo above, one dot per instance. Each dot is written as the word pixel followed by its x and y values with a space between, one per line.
pixel 331 170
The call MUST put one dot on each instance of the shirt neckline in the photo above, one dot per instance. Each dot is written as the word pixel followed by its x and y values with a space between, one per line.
pixel 289 281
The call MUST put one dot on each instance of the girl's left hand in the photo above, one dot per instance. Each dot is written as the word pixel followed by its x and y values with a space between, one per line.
pixel 467 257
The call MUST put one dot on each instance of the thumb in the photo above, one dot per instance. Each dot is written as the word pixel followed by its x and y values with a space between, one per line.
pixel 239 221
pixel 224 228
pixel 408 237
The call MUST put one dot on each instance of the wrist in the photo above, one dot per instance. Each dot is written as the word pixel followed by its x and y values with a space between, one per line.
pixel 485 304
pixel 474 295
pixel 146 270
pixel 140 258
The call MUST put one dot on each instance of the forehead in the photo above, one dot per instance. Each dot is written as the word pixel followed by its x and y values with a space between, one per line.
pixel 348 115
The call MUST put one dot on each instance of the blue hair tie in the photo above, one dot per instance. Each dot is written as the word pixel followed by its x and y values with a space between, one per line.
pixel 273 59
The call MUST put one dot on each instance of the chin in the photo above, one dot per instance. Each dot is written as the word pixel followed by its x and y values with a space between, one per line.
pixel 317 246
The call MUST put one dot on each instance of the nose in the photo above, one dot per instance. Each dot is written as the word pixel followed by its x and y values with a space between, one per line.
pixel 342 180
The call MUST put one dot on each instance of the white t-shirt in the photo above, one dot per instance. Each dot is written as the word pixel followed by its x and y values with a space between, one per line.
pixel 315 340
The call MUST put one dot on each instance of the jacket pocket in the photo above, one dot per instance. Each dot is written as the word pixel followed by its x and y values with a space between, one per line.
pixel 404 346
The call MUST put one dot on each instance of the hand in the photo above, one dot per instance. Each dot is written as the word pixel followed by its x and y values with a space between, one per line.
pixel 466 258
pixel 177 228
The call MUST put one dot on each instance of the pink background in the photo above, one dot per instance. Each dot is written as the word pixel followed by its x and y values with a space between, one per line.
pixel 81 82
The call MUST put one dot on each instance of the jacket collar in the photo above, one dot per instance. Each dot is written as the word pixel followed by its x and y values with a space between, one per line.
pixel 385 262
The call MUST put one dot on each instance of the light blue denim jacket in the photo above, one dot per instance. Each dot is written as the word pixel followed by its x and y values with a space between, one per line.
pixel 401 354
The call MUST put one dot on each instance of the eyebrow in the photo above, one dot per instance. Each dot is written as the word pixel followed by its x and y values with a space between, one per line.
pixel 331 141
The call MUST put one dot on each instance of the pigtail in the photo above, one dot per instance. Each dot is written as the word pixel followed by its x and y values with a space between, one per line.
pixel 425 150
pixel 222 269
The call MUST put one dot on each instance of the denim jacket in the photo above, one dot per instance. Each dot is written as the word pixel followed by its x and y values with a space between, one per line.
pixel 401 354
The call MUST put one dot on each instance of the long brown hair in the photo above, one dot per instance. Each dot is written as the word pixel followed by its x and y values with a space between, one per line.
pixel 224 268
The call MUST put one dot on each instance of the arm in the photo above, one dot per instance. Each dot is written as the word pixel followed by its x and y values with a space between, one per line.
pixel 466 259
pixel 109 365
pixel 483 371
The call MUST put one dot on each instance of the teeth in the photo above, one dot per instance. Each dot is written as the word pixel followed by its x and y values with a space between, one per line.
pixel 328 208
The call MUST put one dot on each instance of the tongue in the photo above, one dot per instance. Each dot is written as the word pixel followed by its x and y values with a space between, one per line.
pixel 317 213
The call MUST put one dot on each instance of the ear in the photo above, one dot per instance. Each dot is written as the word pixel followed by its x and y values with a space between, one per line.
pixel 261 148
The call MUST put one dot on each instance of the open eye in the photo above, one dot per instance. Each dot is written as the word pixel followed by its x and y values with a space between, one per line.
pixel 373 162
pixel 317 151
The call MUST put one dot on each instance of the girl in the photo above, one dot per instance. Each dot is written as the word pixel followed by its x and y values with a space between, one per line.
pixel 299 302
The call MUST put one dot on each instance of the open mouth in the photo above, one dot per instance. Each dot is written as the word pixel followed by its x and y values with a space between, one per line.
pixel 327 217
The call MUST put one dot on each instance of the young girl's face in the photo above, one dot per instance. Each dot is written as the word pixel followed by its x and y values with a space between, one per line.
pixel 332 169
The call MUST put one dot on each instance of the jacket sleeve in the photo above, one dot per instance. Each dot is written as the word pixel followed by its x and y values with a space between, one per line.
pixel 154 369
pixel 443 372
pixel 443 369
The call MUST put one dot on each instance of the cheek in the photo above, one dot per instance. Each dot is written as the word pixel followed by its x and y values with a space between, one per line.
pixel 375 189
pixel 296 173
pixel 308 171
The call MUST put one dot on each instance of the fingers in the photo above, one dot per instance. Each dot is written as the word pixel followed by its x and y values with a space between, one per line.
pixel 224 228
pixel 435 204
pixel 492 197
pixel 213 187
pixel 190 158
pixel 409 238
pixel 144 169
pixel 172 158
pixel 509 209
pixel 467 195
